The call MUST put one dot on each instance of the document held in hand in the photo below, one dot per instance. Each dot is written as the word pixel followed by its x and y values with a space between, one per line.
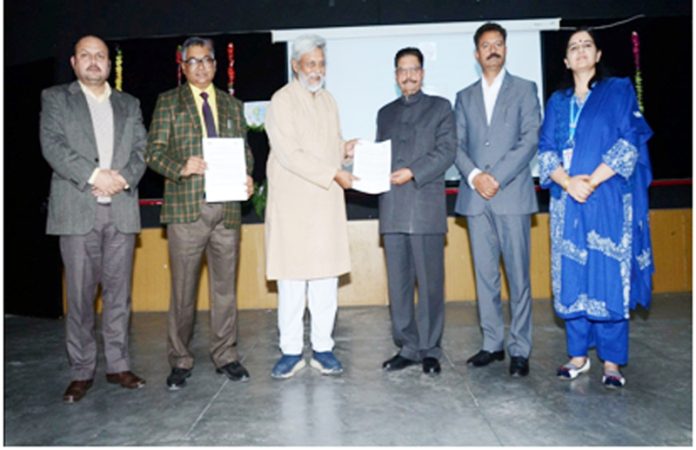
pixel 225 176
pixel 372 165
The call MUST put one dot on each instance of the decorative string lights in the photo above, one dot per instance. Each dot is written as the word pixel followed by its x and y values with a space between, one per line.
pixel 230 68
pixel 636 60
pixel 178 65
pixel 118 80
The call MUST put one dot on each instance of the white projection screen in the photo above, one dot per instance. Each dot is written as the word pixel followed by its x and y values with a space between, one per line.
pixel 360 64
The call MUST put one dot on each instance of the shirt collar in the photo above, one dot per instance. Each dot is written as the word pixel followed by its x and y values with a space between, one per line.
pixel 497 81
pixel 99 98
pixel 411 99
pixel 210 89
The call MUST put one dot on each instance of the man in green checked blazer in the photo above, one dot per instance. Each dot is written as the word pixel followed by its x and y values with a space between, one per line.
pixel 182 118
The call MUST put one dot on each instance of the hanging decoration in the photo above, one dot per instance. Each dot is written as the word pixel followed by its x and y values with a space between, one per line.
pixel 118 81
pixel 178 65
pixel 230 68
pixel 638 77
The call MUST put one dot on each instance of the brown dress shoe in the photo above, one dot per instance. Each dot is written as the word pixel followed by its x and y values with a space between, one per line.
pixel 76 390
pixel 126 379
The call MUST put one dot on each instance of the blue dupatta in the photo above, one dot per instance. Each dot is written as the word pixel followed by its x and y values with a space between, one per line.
pixel 601 254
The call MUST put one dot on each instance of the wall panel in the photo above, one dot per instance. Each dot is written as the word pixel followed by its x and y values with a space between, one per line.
pixel 366 284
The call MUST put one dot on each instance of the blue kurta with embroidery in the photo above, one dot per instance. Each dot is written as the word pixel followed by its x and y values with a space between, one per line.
pixel 601 256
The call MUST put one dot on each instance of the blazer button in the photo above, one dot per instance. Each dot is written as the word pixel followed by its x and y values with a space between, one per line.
pixel 487 143
pixel 488 167
pixel 96 160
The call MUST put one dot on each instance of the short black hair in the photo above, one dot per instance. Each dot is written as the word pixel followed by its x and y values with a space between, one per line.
pixel 408 51
pixel 486 27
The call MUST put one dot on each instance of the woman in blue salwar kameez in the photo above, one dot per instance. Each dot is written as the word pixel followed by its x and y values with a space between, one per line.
pixel 594 159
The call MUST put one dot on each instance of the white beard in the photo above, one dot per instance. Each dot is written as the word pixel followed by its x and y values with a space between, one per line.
pixel 304 81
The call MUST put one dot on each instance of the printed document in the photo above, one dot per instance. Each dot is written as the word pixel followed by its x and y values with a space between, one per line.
pixel 225 177
pixel 372 165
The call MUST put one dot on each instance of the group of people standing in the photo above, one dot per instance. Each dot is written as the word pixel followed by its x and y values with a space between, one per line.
pixel 595 164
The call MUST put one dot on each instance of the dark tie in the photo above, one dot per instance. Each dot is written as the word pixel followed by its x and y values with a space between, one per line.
pixel 208 116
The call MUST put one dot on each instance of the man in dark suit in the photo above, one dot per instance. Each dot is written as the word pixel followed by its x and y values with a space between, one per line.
pixel 497 128
pixel 182 118
pixel 93 138
pixel 413 214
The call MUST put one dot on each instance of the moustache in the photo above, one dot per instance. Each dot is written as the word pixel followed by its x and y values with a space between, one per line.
pixel 94 67
pixel 493 55
pixel 409 81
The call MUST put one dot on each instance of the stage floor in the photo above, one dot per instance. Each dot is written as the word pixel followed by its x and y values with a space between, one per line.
pixel 365 406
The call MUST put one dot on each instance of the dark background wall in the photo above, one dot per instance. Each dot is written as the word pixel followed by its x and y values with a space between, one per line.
pixel 39 35
pixel 37 29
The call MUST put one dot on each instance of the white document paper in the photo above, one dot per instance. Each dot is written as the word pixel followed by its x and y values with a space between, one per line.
pixel 372 165
pixel 225 177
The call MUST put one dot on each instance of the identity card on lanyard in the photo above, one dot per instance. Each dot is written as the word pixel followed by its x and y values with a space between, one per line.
pixel 575 111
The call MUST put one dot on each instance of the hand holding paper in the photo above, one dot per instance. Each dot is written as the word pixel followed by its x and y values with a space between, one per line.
pixel 345 179
pixel 195 165
pixel 349 151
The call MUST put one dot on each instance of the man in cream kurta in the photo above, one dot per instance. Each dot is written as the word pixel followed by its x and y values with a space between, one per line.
pixel 306 225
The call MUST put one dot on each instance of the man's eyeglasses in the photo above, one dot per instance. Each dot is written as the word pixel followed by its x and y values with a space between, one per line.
pixel 206 61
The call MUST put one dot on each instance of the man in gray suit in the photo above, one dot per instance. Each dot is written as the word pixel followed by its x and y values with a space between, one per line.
pixel 93 138
pixel 413 214
pixel 497 125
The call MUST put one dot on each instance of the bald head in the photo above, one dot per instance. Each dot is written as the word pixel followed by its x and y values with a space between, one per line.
pixel 90 40
pixel 91 61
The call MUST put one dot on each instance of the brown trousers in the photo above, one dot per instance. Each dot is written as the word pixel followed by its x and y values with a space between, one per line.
pixel 104 255
pixel 187 242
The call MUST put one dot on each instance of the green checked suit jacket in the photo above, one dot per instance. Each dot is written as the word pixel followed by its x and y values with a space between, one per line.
pixel 175 135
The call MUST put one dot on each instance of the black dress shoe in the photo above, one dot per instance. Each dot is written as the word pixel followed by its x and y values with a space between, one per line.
pixel 177 378
pixel 484 358
pixel 431 366
pixel 519 366
pixel 398 362
pixel 235 371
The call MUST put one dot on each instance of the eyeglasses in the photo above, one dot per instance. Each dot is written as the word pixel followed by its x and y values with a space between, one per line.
pixel 407 70
pixel 206 61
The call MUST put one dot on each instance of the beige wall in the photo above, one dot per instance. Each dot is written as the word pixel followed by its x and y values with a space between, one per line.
pixel 366 284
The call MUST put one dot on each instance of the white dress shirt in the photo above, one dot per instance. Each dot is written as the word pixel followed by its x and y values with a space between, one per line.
pixel 490 95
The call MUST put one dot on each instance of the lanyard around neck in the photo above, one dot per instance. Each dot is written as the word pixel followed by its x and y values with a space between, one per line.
pixel 575 111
